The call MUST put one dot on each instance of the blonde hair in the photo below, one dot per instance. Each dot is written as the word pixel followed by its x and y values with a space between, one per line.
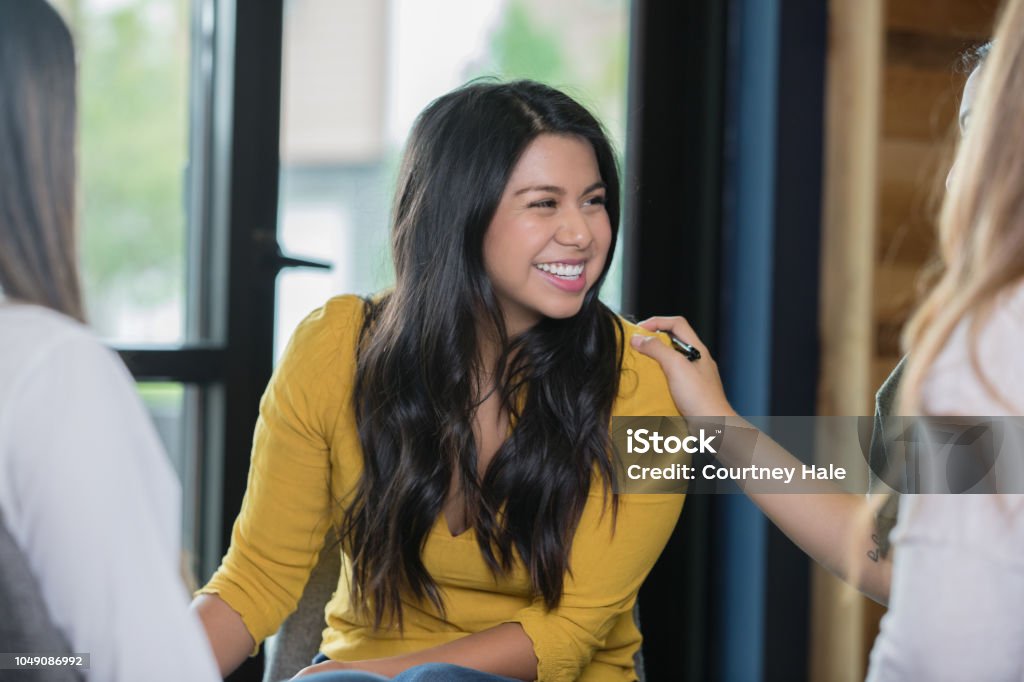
pixel 981 224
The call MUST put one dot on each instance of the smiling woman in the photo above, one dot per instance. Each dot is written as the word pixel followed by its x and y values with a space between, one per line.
pixel 550 235
pixel 456 428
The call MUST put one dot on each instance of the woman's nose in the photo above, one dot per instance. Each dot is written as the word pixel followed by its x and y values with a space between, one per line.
pixel 574 231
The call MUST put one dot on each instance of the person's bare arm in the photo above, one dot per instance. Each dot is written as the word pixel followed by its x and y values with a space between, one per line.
pixel 229 638
pixel 833 527
pixel 502 650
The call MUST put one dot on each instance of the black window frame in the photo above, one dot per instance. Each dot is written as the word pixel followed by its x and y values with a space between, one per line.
pixel 233 258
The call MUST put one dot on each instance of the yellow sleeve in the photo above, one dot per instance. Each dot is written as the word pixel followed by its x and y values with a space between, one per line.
pixel 287 508
pixel 607 564
pixel 607 569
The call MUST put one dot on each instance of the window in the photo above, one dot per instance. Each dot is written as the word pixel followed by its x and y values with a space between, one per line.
pixel 180 113
pixel 134 58
pixel 356 74
pixel 152 264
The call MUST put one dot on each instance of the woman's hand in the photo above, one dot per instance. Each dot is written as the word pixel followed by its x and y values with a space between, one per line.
pixel 696 386
pixel 326 666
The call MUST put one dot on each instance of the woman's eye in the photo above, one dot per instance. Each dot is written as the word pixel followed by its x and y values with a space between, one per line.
pixel 544 203
pixel 595 201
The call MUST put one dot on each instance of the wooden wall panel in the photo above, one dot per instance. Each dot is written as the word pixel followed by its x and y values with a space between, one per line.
pixel 911 174
pixel 853 117
pixel 971 19
pixel 919 103
pixel 895 286
pixel 925 50
pixel 922 80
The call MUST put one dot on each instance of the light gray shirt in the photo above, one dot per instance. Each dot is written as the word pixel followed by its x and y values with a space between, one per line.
pixel 89 497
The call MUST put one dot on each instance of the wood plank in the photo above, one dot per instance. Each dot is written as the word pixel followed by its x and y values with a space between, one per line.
pixel 895 289
pixel 960 18
pixel 926 51
pixel 913 167
pixel 887 334
pixel 896 215
pixel 911 173
pixel 906 242
pixel 919 103
pixel 908 201
pixel 849 205
pixel 838 647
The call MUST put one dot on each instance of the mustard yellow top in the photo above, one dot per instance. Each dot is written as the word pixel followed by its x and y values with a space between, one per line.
pixel 306 459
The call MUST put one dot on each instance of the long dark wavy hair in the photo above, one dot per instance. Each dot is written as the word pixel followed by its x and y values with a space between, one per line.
pixel 419 368
pixel 38 258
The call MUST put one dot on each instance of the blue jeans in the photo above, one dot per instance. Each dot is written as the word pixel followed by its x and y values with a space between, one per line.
pixel 428 672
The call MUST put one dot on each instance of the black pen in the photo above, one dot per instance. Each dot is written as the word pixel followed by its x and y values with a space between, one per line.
pixel 691 353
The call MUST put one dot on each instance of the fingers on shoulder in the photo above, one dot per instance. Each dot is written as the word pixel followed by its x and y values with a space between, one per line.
pixel 678 326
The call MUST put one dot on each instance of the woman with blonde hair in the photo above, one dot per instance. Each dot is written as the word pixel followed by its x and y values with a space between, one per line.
pixel 955 581
pixel 958 576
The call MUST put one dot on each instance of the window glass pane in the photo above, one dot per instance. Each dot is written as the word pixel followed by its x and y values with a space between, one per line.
pixel 172 406
pixel 166 405
pixel 133 115
pixel 356 74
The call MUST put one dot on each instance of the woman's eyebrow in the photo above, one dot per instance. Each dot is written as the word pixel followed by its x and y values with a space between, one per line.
pixel 541 188
pixel 560 191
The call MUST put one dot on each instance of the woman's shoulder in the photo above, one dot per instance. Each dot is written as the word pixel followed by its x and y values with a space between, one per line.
pixel 632 359
pixel 340 315
pixel 331 327
pixel 320 357
pixel 953 385
pixel 24 325
pixel 53 370
pixel 33 339
pixel 643 389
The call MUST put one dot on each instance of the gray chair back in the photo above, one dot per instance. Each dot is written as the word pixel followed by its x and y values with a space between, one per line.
pixel 25 624
pixel 298 639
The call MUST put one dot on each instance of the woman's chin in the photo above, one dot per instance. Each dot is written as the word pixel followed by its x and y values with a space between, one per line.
pixel 564 312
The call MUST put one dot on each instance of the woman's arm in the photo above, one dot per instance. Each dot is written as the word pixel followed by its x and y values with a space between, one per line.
pixel 830 528
pixel 503 650
pixel 229 638
pixel 826 523
pixel 288 504
pixel 609 561
pixel 833 527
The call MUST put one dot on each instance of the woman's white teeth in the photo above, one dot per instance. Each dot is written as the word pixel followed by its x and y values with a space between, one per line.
pixel 562 269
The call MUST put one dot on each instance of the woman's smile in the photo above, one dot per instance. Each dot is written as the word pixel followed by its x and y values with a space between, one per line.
pixel 566 275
